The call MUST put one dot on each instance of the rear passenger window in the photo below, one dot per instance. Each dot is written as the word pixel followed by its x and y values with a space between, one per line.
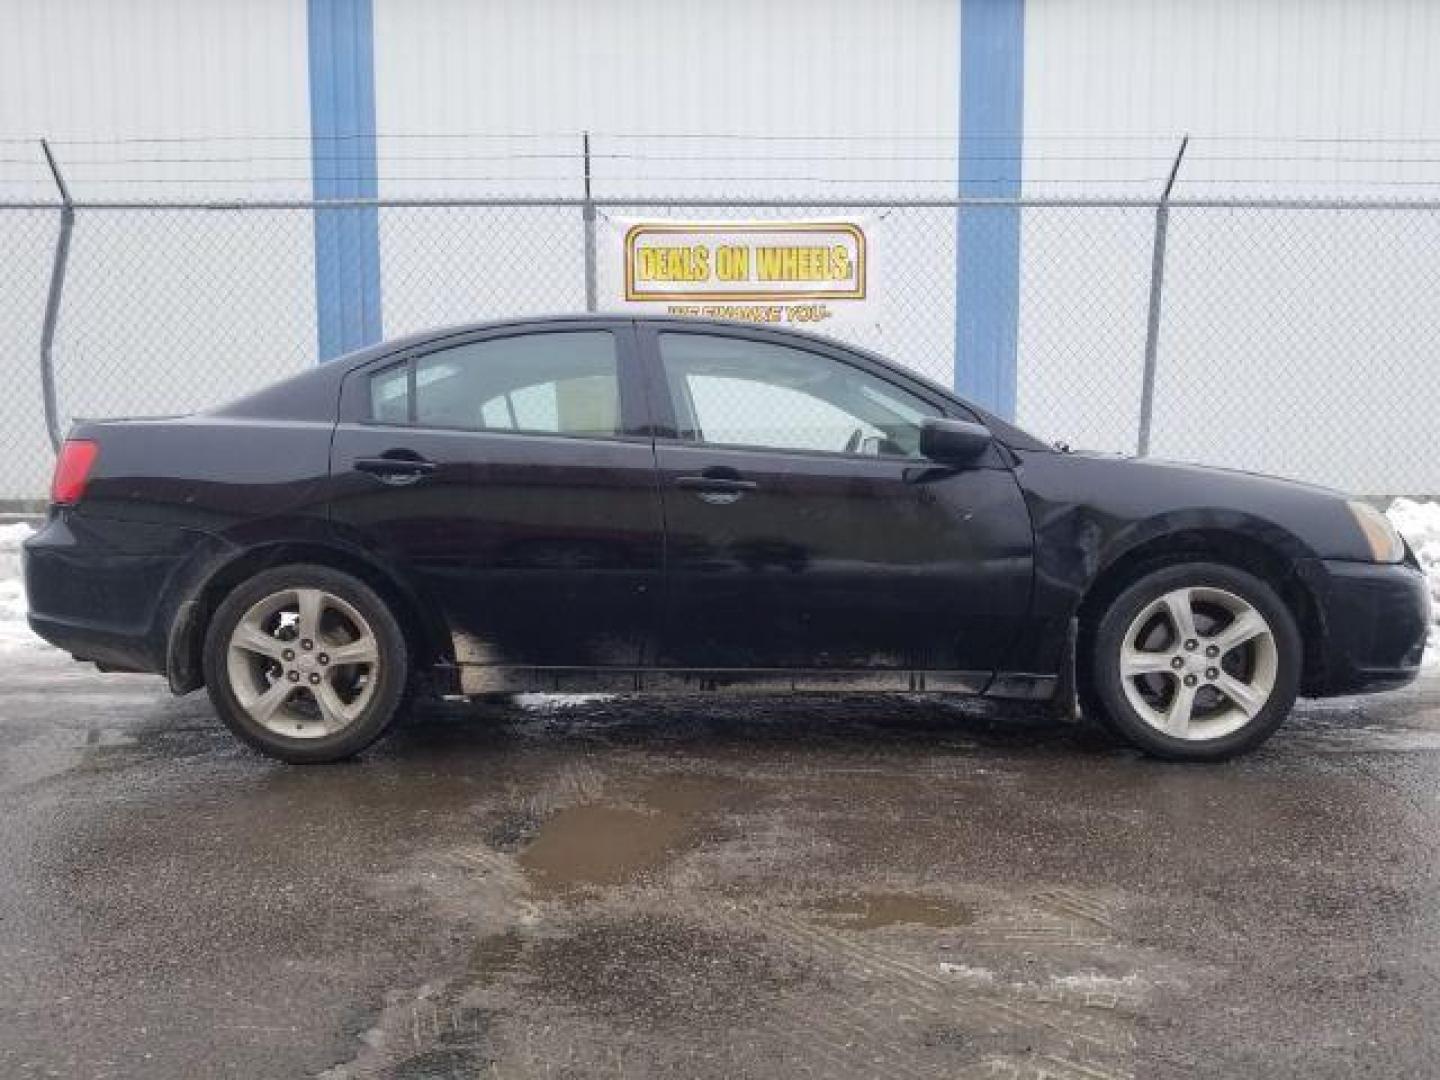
pixel 564 383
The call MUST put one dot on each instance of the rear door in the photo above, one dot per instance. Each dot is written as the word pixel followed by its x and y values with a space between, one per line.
pixel 804 529
pixel 509 474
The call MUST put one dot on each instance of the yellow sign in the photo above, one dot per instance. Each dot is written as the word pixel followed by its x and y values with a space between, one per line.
pixel 767 271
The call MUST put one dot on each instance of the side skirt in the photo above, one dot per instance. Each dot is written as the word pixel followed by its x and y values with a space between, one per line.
pixel 476 679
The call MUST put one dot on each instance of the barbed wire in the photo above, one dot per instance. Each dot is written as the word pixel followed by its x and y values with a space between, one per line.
pixel 657 165
pixel 573 156
pixel 946 137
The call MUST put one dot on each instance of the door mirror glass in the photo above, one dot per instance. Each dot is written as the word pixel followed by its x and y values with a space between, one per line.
pixel 953 442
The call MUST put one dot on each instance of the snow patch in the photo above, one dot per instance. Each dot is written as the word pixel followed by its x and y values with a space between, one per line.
pixel 1092 982
pixel 14 630
pixel 1419 523
pixel 547 703
pixel 968 972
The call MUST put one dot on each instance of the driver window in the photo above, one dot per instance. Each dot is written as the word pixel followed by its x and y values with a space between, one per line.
pixel 736 392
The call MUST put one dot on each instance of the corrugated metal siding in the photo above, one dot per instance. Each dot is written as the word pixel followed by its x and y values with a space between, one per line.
pixel 741 67
pixel 156 69
pixel 1111 85
pixel 92 69
pixel 1232 67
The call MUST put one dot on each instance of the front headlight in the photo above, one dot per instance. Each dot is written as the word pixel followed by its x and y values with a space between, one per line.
pixel 1385 543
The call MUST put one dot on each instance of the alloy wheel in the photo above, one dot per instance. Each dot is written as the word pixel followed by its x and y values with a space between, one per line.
pixel 1198 663
pixel 303 663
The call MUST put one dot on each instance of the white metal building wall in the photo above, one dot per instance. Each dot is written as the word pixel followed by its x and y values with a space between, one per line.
pixel 1100 77
pixel 94 69
pixel 1232 67
pixel 660 67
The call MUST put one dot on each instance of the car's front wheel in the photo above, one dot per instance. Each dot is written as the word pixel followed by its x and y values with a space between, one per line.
pixel 1196 662
pixel 306 663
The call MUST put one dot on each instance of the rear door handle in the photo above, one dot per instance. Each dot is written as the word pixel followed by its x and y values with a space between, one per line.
pixel 715 484
pixel 395 470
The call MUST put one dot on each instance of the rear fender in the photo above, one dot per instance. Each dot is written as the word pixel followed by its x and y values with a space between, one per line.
pixel 433 643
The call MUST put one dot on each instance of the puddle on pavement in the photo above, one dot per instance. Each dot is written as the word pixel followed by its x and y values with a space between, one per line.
pixel 869 911
pixel 597 845
pixel 688 794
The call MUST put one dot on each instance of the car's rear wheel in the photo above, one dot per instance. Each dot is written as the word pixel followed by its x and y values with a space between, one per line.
pixel 306 663
pixel 1196 662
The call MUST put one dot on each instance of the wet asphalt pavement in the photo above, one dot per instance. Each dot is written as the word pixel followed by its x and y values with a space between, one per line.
pixel 711 887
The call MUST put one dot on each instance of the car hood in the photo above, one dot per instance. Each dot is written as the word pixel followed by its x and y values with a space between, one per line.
pixel 1188 470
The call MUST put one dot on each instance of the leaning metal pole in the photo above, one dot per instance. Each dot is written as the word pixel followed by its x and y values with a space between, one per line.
pixel 52 300
pixel 1157 286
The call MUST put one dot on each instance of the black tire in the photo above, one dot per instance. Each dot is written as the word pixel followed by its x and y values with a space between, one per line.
pixel 1105 690
pixel 391 672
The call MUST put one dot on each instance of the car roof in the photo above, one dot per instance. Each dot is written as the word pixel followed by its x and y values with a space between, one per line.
pixel 608 317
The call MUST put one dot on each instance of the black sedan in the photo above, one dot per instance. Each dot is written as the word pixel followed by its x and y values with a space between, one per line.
pixel 624 505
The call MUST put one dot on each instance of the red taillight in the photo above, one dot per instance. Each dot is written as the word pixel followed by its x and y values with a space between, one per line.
pixel 72 470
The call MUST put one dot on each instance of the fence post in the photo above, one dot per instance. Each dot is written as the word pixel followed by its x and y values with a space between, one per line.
pixel 588 210
pixel 52 300
pixel 1157 287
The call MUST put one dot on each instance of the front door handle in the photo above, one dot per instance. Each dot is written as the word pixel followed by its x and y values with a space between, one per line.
pixel 395 470
pixel 715 484
pixel 718 487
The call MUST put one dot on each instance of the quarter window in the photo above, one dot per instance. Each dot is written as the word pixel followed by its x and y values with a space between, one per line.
pixel 390 395
pixel 564 383
pixel 738 392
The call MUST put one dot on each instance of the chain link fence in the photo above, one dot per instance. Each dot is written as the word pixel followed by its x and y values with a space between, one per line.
pixel 27 245
pixel 1303 342
pixel 1298 339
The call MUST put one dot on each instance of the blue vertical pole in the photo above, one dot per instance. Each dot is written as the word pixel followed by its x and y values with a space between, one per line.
pixel 987 267
pixel 343 164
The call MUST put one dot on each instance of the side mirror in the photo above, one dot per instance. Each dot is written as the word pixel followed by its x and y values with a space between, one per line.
pixel 953 442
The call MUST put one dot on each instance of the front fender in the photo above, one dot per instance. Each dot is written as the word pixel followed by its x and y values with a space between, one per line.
pixel 1174 524
pixel 1091 514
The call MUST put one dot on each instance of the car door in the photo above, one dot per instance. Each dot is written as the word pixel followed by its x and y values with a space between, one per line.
pixel 507 472
pixel 804 531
